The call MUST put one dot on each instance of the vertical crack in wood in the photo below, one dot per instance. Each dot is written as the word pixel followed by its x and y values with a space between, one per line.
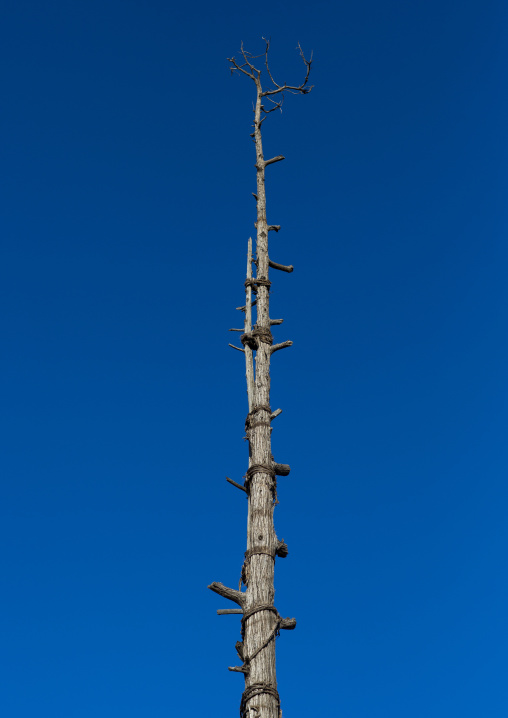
pixel 249 365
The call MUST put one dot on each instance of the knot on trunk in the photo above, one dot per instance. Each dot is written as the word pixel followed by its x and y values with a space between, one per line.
pixel 257 336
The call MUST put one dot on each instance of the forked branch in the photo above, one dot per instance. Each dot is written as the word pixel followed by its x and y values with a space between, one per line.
pixel 295 89
pixel 248 68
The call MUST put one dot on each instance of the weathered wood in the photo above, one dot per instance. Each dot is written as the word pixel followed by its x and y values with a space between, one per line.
pixel 231 593
pixel 274 159
pixel 249 361
pixel 261 620
pixel 260 589
pixel 281 267
pixel 233 483
pixel 288 624
pixel 276 347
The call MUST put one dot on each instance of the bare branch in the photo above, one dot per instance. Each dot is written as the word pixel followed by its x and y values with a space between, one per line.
pixel 266 62
pixel 274 227
pixel 233 483
pixel 228 611
pixel 266 115
pixel 276 321
pixel 246 55
pixel 236 330
pixel 283 345
pixel 282 267
pixel 237 348
pixel 238 68
pixel 277 103
pixel 308 62
pixel 302 89
pixel 230 593
pixel 276 413
pixel 289 88
pixel 239 669
pixel 279 158
pixel 276 106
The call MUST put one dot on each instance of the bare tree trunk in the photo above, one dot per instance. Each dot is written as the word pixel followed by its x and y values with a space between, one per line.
pixel 261 621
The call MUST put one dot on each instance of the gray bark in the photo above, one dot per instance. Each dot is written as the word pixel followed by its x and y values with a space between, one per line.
pixel 260 530
pixel 261 621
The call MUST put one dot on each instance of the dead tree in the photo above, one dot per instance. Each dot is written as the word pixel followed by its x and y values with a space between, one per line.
pixel 261 622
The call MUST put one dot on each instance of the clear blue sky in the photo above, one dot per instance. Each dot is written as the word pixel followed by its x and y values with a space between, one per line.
pixel 127 173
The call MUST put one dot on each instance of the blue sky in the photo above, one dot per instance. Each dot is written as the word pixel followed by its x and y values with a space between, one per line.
pixel 126 207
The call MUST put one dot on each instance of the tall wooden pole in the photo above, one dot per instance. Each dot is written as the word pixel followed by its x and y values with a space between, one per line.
pixel 261 621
